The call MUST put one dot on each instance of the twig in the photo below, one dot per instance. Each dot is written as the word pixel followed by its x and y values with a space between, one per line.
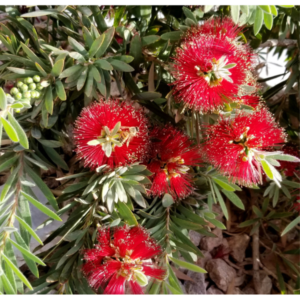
pixel 269 272
pixel 278 43
pixel 255 258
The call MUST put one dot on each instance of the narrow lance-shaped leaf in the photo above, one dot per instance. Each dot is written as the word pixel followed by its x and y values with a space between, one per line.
pixel 16 271
pixel 49 100
pixel 58 67
pixel 60 90
pixel 3 101
pixel 29 229
pixel 187 265
pixel 12 134
pixel 41 207
pixel 27 253
pixel 22 137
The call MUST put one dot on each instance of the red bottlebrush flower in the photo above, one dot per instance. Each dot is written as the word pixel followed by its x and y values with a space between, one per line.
pixel 235 145
pixel 287 167
pixel 111 132
pixel 208 71
pixel 172 155
pixel 122 258
pixel 224 28
pixel 250 100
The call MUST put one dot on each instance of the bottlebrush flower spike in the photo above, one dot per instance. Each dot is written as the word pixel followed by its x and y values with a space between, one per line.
pixel 224 28
pixel 208 71
pixel 122 259
pixel 254 101
pixel 236 146
pixel 171 156
pixel 111 132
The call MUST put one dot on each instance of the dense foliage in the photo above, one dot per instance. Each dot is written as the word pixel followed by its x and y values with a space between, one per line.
pixel 109 112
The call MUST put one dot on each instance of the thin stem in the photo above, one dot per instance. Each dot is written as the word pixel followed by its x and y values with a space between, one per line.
pixel 11 219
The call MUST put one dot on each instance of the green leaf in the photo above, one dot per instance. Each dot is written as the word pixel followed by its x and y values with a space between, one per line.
pixel 293 184
pixel 8 288
pixel 167 200
pixel 60 90
pixel 3 101
pixel 273 10
pixel 136 50
pixel 89 82
pixel 172 36
pixel 82 79
pixel 77 56
pixel 265 8
pixel 173 280
pixel 280 280
pixel 259 17
pixel 77 47
pixel 150 39
pixel 235 13
pixel 8 163
pixel 245 9
pixel 187 265
pixel 146 96
pixel 108 36
pixel 29 229
pixel 186 224
pixel 43 187
pixel 49 100
pixel 41 207
pixel 248 223
pixel 94 71
pixel 291 226
pixel 268 19
pixel 221 201
pixel 70 71
pixel 96 45
pixel 121 66
pixel 50 143
pixel 22 137
pixel 284 157
pixel 17 271
pixel 39 13
pixel 267 169
pixel 9 129
pixel 234 199
pixel 8 183
pixel 257 211
pixel 126 213
pixel 189 14
pixel 104 64
pixel 172 290
pixel 33 57
pixel 58 67
pixel 286 6
pixel 27 253
pixel 223 185
pixel 41 70
pixel 56 158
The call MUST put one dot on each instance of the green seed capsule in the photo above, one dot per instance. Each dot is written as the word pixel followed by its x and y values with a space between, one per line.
pixel 18 110
pixel 36 78
pixel 24 87
pixel 27 95
pixel 33 94
pixel 19 84
pixel 28 80
pixel 32 86
pixel 14 91
pixel 37 94
pixel 18 96
pixel 39 86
